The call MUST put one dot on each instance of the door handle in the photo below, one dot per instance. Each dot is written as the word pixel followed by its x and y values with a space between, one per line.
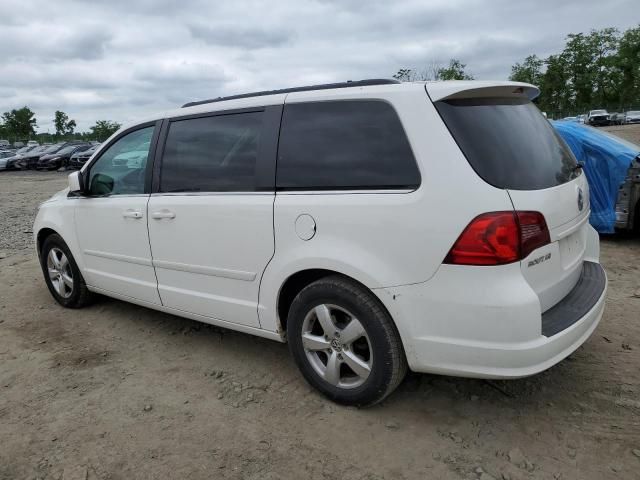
pixel 129 213
pixel 162 214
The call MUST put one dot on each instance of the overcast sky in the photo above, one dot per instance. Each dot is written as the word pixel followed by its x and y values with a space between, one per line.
pixel 123 59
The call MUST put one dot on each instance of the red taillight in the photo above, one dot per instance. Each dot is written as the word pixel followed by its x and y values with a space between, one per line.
pixel 497 238
pixel 533 232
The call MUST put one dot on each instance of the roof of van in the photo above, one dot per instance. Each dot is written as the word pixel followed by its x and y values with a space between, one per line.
pixel 439 90
pixel 308 88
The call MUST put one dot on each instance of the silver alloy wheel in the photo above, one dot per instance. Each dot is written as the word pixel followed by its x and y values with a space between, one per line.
pixel 60 273
pixel 337 346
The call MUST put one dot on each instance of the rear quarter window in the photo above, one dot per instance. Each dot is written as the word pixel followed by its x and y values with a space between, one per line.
pixel 348 144
pixel 508 142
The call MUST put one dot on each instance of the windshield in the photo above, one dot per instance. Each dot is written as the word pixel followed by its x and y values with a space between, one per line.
pixel 634 112
pixel 68 149
pixel 508 142
pixel 52 149
pixel 598 112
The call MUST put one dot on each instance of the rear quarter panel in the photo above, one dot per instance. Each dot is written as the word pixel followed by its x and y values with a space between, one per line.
pixel 381 239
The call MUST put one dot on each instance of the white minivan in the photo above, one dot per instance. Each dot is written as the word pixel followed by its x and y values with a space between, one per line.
pixel 373 225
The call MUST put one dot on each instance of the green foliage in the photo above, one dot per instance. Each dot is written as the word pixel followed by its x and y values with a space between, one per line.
pixel 435 71
pixel 19 123
pixel 455 71
pixel 628 64
pixel 529 71
pixel 103 129
pixel 600 69
pixel 405 75
pixel 63 125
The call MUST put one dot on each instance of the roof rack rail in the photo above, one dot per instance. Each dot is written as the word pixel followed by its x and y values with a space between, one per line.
pixel 325 86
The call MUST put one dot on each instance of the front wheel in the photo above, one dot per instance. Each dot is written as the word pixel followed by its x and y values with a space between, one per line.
pixel 344 342
pixel 62 275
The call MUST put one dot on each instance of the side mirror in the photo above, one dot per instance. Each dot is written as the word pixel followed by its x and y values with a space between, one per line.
pixel 76 183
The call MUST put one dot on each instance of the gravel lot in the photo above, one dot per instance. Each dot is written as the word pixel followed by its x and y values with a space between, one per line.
pixel 117 391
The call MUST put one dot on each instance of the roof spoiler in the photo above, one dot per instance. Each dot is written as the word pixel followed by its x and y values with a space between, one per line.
pixel 479 89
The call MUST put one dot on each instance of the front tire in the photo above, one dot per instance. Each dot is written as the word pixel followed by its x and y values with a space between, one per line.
pixel 62 275
pixel 344 342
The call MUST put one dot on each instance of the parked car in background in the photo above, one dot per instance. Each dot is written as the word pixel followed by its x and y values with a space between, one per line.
pixel 53 161
pixel 78 159
pixel 570 119
pixel 3 162
pixel 632 116
pixel 4 156
pixel 18 144
pixel 32 143
pixel 4 143
pixel 582 118
pixel 612 166
pixel 598 118
pixel 30 160
pixel 133 158
pixel 343 176
pixel 616 118
pixel 17 155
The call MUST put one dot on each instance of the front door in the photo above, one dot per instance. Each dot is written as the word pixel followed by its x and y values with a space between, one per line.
pixel 210 225
pixel 111 221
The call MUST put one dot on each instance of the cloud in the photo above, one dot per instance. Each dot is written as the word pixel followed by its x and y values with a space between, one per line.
pixel 239 37
pixel 122 59
pixel 46 42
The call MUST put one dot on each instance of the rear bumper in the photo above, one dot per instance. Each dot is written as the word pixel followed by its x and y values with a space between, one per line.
pixel 490 326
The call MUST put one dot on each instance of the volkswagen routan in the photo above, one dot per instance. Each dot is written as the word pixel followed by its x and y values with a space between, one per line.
pixel 375 226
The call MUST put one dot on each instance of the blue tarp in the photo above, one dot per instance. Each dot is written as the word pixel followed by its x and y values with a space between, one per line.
pixel 606 161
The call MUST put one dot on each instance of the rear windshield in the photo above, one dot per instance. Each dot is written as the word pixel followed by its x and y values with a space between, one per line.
pixel 509 143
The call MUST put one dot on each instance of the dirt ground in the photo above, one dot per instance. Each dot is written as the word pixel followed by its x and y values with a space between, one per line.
pixel 117 391
pixel 628 132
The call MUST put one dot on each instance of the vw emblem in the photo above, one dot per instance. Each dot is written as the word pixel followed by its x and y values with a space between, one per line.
pixel 580 199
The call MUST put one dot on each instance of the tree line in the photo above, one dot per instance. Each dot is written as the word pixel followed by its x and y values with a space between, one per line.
pixel 599 69
pixel 19 125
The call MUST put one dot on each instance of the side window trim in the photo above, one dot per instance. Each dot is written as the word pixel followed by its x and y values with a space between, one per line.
pixel 152 148
pixel 267 153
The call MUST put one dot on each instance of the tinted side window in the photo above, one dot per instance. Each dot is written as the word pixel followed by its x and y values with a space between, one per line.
pixel 212 154
pixel 344 145
pixel 121 168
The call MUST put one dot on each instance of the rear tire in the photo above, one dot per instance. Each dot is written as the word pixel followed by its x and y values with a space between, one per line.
pixel 62 275
pixel 344 342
